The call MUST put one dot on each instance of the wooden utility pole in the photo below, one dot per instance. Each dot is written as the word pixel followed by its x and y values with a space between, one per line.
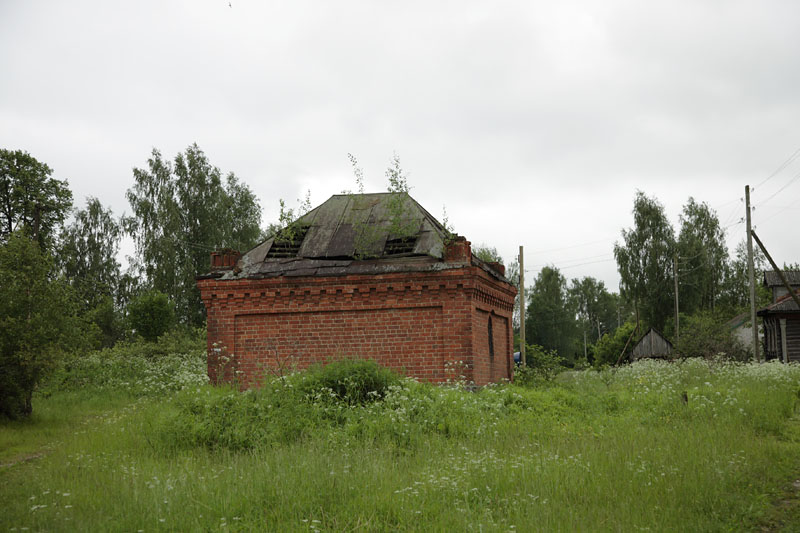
pixel 675 277
pixel 751 273
pixel 781 275
pixel 584 345
pixel 522 308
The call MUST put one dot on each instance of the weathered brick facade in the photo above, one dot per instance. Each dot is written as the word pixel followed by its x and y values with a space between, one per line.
pixel 361 276
pixel 429 325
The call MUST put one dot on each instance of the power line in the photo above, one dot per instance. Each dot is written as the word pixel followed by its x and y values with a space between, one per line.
pixel 741 221
pixel 568 261
pixel 773 195
pixel 785 164
pixel 566 247
pixel 588 263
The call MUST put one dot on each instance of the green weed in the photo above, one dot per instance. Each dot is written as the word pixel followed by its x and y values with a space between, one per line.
pixel 698 445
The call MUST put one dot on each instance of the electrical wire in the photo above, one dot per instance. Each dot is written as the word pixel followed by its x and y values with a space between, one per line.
pixel 539 266
pixel 567 247
pixel 785 164
pixel 773 195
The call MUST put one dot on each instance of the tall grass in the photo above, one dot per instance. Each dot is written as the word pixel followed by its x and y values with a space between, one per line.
pixel 702 446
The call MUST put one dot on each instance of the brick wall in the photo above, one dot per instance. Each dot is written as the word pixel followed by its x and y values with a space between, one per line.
pixel 430 325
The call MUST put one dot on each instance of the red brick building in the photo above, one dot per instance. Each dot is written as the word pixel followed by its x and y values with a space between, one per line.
pixel 365 276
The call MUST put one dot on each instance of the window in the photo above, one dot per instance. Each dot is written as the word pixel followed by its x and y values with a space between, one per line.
pixel 491 339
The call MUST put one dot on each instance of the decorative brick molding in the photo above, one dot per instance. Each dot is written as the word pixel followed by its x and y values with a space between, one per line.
pixel 424 324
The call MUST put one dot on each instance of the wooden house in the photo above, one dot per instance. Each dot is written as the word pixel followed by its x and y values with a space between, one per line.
pixel 361 276
pixel 781 326
pixel 773 281
pixel 652 345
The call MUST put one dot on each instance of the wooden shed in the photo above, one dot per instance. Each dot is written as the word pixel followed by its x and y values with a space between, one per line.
pixel 781 321
pixel 652 345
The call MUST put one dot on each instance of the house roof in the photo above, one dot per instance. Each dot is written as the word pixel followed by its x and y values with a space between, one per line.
pixel 354 234
pixel 652 344
pixel 784 304
pixel 738 320
pixel 771 278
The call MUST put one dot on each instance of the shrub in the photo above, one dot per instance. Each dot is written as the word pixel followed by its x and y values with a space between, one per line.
pixel 105 323
pixel 130 367
pixel 151 314
pixel 608 349
pixel 353 381
pixel 703 335
pixel 542 365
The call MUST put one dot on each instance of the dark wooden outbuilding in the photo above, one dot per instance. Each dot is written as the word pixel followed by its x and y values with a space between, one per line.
pixel 652 345
pixel 781 320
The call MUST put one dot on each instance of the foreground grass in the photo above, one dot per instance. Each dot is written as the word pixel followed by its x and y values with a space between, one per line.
pixel 611 451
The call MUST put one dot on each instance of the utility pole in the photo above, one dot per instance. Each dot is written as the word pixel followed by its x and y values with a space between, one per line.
pixel 675 277
pixel 522 307
pixel 751 272
pixel 584 345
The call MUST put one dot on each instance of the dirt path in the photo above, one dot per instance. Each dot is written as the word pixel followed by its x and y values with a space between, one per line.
pixel 22 459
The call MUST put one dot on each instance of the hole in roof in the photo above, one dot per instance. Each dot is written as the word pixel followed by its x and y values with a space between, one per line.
pixel 403 245
pixel 287 243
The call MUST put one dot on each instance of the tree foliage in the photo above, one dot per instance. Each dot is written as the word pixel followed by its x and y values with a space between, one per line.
pixel 644 262
pixel 151 314
pixel 703 258
pixel 550 320
pixel 609 349
pixel 736 289
pixel 88 254
pixel 30 199
pixel 596 307
pixel 183 210
pixel 706 335
pixel 37 321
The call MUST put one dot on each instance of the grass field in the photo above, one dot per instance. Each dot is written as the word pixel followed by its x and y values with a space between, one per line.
pixel 125 444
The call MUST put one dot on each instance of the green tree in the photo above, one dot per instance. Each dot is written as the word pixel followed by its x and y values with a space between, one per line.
pixel 38 322
pixel 702 258
pixel 736 286
pixel 30 199
pixel 151 314
pixel 596 307
pixel 550 320
pixel 88 253
pixel 609 349
pixel 706 335
pixel 644 262
pixel 181 212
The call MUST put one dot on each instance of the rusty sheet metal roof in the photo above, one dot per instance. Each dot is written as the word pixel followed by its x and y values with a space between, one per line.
pixel 352 233
pixel 785 304
pixel 771 278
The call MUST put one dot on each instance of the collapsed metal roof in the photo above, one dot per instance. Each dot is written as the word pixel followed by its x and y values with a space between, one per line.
pixel 353 233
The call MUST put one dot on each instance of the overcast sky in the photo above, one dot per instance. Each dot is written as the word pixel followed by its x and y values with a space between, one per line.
pixel 533 122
